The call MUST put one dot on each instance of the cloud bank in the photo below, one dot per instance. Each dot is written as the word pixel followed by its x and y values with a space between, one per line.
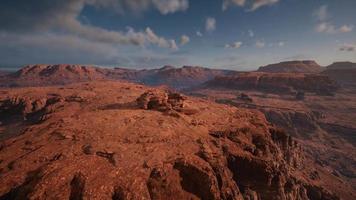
pixel 62 16
pixel 324 24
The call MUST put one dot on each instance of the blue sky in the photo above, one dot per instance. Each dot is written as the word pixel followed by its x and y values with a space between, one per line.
pixel 232 34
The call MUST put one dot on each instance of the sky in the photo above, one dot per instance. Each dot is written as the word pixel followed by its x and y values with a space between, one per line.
pixel 229 34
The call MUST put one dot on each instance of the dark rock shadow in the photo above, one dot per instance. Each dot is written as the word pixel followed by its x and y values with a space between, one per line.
pixel 121 106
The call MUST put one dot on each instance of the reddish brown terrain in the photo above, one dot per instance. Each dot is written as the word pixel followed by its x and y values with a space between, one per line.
pixel 318 111
pixel 44 75
pixel 250 135
pixel 3 73
pixel 343 72
pixel 179 78
pixel 112 140
pixel 305 66
pixel 275 82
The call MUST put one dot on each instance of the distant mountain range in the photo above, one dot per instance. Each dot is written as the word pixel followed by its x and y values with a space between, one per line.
pixel 40 75
pixel 186 76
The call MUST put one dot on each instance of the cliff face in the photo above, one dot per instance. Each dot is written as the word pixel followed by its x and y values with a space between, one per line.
pixel 276 82
pixel 107 140
pixel 306 66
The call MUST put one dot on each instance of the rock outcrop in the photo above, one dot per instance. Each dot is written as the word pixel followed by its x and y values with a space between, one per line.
pixel 342 72
pixel 306 66
pixel 288 83
pixel 162 101
pixel 107 141
pixel 298 124
pixel 341 65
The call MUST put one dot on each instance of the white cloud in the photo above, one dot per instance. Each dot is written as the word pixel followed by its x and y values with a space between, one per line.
pixel 227 3
pixel 252 5
pixel 152 38
pixel 321 13
pixel 173 44
pixel 273 44
pixel 199 34
pixel 210 24
pixel 21 48
pixel 251 33
pixel 170 6
pixel 346 28
pixel 62 16
pixel 325 25
pixel 347 47
pixel 260 3
pixel 139 6
pixel 184 40
pixel 260 44
pixel 234 45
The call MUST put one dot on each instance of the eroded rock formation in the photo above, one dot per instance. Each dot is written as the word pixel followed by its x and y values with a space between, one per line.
pixel 305 66
pixel 99 145
pixel 287 83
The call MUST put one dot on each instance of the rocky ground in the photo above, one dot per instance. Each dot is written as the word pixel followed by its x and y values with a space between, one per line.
pixel 111 140
pixel 324 125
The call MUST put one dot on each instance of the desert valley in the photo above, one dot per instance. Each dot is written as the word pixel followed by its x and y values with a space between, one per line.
pixel 177 100
pixel 285 131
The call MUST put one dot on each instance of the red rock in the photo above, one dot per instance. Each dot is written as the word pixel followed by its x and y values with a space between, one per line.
pixel 276 82
pixel 306 66
pixel 143 154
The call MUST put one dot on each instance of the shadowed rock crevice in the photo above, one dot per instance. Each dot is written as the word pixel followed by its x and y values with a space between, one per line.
pixel 24 190
pixel 164 184
pixel 118 194
pixel 77 187
pixel 196 181
pixel 110 156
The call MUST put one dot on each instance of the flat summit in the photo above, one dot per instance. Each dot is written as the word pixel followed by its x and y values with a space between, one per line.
pixel 305 66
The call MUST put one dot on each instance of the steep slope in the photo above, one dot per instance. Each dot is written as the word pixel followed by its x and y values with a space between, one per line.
pixel 324 125
pixel 306 66
pixel 109 140
pixel 276 82
pixel 342 72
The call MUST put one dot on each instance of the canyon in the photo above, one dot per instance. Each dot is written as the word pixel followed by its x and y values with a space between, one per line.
pixel 285 131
